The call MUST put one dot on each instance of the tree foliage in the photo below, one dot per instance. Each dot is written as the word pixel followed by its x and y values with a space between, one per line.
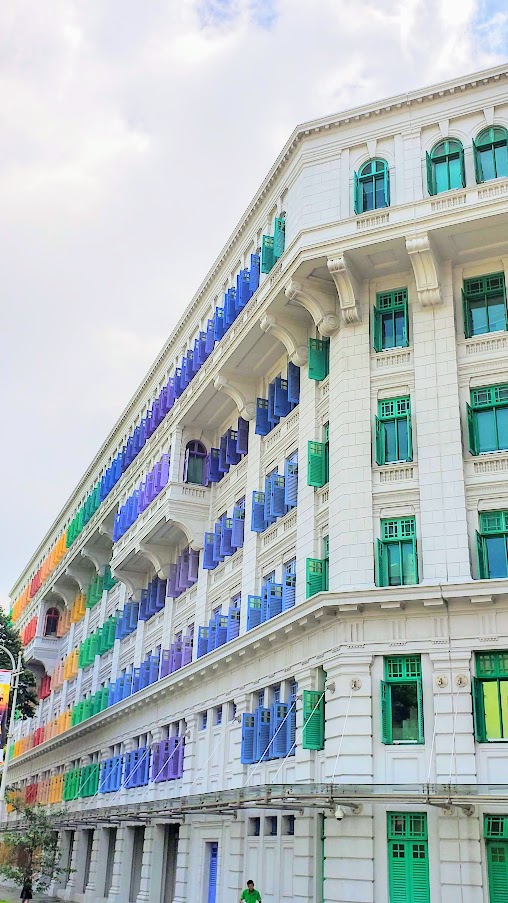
pixel 27 692
pixel 30 852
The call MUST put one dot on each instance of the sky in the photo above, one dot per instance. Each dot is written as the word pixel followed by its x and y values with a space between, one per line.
pixel 132 138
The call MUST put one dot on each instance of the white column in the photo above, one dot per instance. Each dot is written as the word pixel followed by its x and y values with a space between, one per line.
pixel 144 895
pixel 122 866
pixel 182 864
pixel 454 743
pixel 460 856
pixel 95 888
pixel 77 872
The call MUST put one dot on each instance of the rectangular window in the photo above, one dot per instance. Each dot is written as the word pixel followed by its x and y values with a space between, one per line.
pixel 313 719
pixel 496 838
pixel 408 858
pixel 317 572
pixel 487 419
pixel 318 460
pixel 271 826
pixel 492 543
pixel 402 701
pixel 397 563
pixel 490 696
pixel 319 358
pixel 391 324
pixel 203 721
pixel 218 715
pixel 393 431
pixel 484 304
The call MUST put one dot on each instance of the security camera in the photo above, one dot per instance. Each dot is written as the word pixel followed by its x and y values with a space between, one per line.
pixel 339 813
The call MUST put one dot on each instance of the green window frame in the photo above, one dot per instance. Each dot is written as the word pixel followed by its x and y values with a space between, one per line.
pixel 445 167
pixel 390 320
pixel 319 359
pixel 316 572
pixel 490 150
pixel 393 430
pixel 484 305
pixel 313 736
pixel 408 857
pixel 492 545
pixel 318 461
pixel 402 701
pixel 495 831
pixel 372 186
pixel 490 696
pixel 487 419
pixel 397 559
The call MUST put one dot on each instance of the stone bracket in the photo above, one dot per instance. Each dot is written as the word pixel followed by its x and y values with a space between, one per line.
pixel 134 582
pixel 81 576
pixel 292 335
pixel 426 269
pixel 159 556
pixel 98 557
pixel 347 288
pixel 317 300
pixel 242 391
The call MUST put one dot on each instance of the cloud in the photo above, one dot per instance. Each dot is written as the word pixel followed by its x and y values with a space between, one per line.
pixel 133 137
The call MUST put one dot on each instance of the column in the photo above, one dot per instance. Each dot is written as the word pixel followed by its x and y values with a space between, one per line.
pixel 190 757
pixel 77 868
pixel 250 570
pixel 146 866
pixel 305 759
pixel 454 743
pixel 120 885
pixel 182 863
pixel 235 856
pixel 304 858
pixel 310 428
pixel 460 857
pixel 62 857
pixel 95 888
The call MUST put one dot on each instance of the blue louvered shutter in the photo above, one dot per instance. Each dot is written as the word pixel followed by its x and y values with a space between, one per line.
pixel 269 518
pixel 279 746
pixel 198 357
pixel 277 495
pixel 223 464
pixel 217 536
pixel 210 336
pixel 177 382
pixel 116 773
pixel 232 454
pixel 184 378
pixel 215 474
pixel 255 265
pixel 202 641
pixel 264 602
pixel 209 562
pixel 289 591
pixel 233 628
pixel 243 289
pixel 221 630
pixel 230 307
pixel 219 325
pixel 291 482
pixel 273 419
pixel 258 523
pixel 143 605
pixel 262 733
pixel 226 547
pixel 274 599
pixel 247 748
pixel 242 436
pixel 238 527
pixel 262 423
pixel 293 384
pixel 253 611
pixel 212 633
pixel 281 405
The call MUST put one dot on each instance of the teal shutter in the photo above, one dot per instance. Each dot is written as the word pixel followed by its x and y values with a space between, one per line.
pixel 357 195
pixel 409 434
pixel 497 866
pixel 477 164
pixel 431 176
pixel 315 576
pixel 313 719
pixel 419 872
pixel 380 443
pixel 386 713
pixel 478 711
pixel 377 340
pixel 386 185
pixel 316 466
pixel 398 877
pixel 414 554
pixel 468 331
pixel 319 357
pixel 462 167
pixel 382 564
pixel 267 257
pixel 483 564
pixel 471 430
pixel 279 237
pixel 419 691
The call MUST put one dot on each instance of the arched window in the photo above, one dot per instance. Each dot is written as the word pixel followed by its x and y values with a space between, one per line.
pixel 445 167
pixel 51 622
pixel 194 468
pixel 491 154
pixel 372 186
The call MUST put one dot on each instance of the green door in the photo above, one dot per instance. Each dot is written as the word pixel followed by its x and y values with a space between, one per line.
pixel 497 861
pixel 408 871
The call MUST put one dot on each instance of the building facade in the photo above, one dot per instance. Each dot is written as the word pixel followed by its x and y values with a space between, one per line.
pixel 271 624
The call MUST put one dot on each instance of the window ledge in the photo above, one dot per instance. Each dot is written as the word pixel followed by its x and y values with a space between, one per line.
pixel 489 464
pixel 487 343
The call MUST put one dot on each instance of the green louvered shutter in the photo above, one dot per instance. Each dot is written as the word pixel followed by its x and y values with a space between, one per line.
pixel 471 430
pixel 431 176
pixel 462 167
pixel 477 164
pixel 313 719
pixel 279 237
pixel 483 564
pixel 357 195
pixel 386 713
pixel 382 564
pixel 398 873
pixel 468 331
pixel 377 340
pixel 315 576
pixel 316 468
pixel 497 864
pixel 478 711
pixel 319 357
pixel 267 258
pixel 419 872
pixel 419 692
pixel 380 444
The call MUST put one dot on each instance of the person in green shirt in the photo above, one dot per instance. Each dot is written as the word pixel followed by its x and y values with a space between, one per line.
pixel 250 894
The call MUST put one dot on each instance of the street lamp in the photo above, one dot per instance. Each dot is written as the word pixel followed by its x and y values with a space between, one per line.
pixel 16 671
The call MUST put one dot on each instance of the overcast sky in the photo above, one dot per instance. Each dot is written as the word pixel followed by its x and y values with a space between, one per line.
pixel 133 134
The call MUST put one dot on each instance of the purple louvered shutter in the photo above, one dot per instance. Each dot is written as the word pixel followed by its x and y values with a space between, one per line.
pixel 193 565
pixel 223 464
pixel 226 547
pixel 149 487
pixel 156 760
pixel 170 393
pixel 177 382
pixel 164 470
pixel 171 586
pixel 242 436
pixel 185 582
pixel 179 754
pixel 238 528
pixel 165 662
pixel 214 474
pixel 160 595
pixel 177 655
pixel 186 651
pixel 163 402
pixel 208 560
pixel 217 535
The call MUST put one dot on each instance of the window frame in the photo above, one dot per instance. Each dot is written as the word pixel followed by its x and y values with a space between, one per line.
pixel 448 154
pixel 486 291
pixel 408 675
pixel 388 304
pixel 403 531
pixel 480 145
pixel 496 674
pixel 401 411
pixel 487 531
pixel 492 402
pixel 362 178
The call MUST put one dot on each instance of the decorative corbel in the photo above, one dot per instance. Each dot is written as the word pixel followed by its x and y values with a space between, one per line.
pixel 159 557
pixel 98 557
pixel 347 288
pixel 241 391
pixel 426 269
pixel 132 580
pixel 81 576
pixel 67 596
pixel 317 300
pixel 292 335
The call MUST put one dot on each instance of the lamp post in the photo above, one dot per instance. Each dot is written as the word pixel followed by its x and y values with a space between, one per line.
pixel 16 671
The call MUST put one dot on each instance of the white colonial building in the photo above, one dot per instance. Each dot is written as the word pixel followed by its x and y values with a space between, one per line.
pixel 271 623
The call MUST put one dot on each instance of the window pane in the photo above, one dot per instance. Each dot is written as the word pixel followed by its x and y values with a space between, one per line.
pixel 400 328
pixel 491 703
pixel 496 556
pixel 403 439
pixel 479 321
pixel 486 425
pixel 368 195
pixel 394 569
pixel 441 170
pixel 380 192
pixel 455 173
pixel 404 712
pixel 408 563
pixel 390 441
pixel 195 469
pixel 502 427
pixel 496 309
pixel 487 162
pixel 503 692
pixel 501 161
pixel 387 331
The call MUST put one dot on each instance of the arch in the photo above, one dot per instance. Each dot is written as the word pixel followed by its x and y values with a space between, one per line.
pixel 445 166
pixel 194 469
pixel 372 186
pixel 51 621
pixel 490 149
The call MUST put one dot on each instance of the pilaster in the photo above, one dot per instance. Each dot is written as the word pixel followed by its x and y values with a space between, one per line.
pixel 122 865
pixel 94 890
pixel 182 863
